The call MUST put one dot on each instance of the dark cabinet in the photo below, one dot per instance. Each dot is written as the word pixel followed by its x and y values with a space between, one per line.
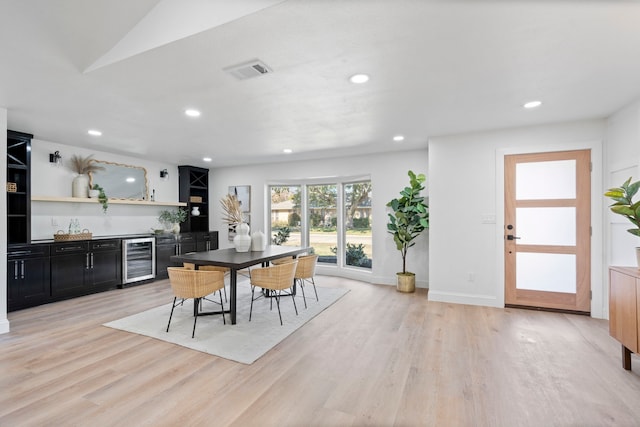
pixel 18 187
pixel 85 267
pixel 169 245
pixel 206 241
pixel 105 261
pixel 28 281
pixel 194 191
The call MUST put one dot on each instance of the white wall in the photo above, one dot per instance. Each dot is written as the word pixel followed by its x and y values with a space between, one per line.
pixel 4 323
pixel 622 157
pixel 466 263
pixel 388 174
pixel 50 180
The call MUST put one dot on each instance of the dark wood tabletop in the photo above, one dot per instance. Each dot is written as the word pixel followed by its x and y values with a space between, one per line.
pixel 238 260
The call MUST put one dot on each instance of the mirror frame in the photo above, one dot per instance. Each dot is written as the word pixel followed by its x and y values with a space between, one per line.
pixel 146 181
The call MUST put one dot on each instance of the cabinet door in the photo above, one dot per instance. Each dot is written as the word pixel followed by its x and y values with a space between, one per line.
pixel 623 315
pixel 28 283
pixel 163 255
pixel 68 274
pixel 36 285
pixel 106 269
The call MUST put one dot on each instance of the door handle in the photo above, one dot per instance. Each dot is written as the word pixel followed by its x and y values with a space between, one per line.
pixel 15 270
pixel 511 237
pixel 22 269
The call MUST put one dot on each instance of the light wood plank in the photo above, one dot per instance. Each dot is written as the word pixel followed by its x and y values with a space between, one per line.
pixel 376 357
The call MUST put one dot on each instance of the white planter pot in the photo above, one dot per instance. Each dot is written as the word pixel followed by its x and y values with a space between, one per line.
pixel 94 193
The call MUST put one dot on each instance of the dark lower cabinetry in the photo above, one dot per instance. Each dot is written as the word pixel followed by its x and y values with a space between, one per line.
pixel 85 267
pixel 28 280
pixel 168 245
pixel 47 272
pixel 206 241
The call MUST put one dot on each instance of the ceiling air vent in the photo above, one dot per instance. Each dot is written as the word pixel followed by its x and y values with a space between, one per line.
pixel 247 70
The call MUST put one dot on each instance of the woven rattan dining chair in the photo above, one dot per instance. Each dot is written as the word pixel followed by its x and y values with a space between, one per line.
pixel 225 271
pixel 275 278
pixel 196 285
pixel 304 273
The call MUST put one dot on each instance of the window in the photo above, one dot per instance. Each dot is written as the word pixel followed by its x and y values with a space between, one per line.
pixel 334 218
pixel 286 222
pixel 322 201
pixel 357 224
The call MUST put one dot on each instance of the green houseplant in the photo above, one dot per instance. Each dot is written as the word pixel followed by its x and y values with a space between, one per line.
pixel 409 218
pixel 625 206
pixel 173 219
pixel 102 197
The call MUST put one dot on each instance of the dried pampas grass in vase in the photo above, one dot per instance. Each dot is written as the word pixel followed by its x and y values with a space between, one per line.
pixel 232 213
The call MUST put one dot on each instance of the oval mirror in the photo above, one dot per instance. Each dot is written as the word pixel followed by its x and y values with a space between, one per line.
pixel 121 181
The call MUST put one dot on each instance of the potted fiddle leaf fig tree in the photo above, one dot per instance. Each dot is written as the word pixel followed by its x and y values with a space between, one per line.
pixel 410 217
pixel 625 206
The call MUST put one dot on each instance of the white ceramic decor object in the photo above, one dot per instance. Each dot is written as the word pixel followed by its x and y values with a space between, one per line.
pixel 242 240
pixel 258 241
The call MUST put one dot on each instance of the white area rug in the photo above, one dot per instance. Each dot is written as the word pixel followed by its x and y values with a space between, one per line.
pixel 243 342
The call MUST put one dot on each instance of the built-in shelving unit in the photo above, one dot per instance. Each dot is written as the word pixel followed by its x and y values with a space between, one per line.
pixel 18 187
pixel 194 192
pixel 111 201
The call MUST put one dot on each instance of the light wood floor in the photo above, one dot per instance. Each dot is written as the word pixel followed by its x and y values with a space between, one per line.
pixel 376 357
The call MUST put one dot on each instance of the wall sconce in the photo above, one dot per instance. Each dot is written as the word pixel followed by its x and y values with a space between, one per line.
pixel 55 158
pixel 164 173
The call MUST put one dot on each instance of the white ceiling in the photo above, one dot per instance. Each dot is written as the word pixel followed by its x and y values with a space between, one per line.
pixel 130 68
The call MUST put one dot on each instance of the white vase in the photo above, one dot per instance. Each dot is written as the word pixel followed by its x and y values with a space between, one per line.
pixel 258 241
pixel 242 240
pixel 195 211
pixel 175 229
pixel 80 186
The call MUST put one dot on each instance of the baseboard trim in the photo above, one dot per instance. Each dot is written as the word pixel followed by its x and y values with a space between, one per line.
pixel 468 299
pixel 4 326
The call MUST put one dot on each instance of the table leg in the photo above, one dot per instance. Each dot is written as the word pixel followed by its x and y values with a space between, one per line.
pixel 233 284
pixel 626 358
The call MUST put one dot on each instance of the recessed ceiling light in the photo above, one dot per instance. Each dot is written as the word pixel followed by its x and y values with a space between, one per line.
pixel 359 78
pixel 131 179
pixel 398 138
pixel 206 159
pixel 287 151
pixel 532 104
pixel 94 132
pixel 192 113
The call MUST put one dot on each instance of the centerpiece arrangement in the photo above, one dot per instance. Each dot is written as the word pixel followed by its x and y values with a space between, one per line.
pixel 233 216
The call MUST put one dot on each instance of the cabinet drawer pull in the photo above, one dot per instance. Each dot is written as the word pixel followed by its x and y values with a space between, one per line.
pixel 22 269
pixel 15 270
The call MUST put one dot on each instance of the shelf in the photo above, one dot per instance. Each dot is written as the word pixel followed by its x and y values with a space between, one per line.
pixel 111 201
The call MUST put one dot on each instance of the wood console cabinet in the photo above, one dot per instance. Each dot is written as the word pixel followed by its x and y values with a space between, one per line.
pixel 624 310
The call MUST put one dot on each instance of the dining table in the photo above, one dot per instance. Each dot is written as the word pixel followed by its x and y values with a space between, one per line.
pixel 235 261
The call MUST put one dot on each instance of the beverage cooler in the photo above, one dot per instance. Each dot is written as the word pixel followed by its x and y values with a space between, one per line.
pixel 138 259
